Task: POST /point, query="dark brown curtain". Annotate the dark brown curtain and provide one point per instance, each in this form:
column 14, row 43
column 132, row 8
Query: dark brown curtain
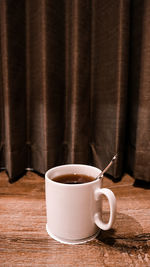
column 75, row 85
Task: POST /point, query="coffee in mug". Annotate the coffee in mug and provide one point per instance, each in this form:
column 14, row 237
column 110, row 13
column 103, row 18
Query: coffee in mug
column 73, row 178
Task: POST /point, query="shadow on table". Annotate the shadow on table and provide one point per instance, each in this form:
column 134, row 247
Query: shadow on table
column 126, row 236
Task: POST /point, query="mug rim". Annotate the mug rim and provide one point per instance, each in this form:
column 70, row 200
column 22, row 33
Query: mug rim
column 72, row 165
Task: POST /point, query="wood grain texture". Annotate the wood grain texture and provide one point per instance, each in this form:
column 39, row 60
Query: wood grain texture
column 25, row 242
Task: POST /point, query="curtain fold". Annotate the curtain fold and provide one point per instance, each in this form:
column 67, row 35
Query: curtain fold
column 139, row 91
column 45, row 55
column 74, row 85
column 13, row 91
column 110, row 47
column 77, row 81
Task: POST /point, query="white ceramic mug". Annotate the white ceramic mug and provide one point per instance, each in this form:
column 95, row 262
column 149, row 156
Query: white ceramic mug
column 74, row 210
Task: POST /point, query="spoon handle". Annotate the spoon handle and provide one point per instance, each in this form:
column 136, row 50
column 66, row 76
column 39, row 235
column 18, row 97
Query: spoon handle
column 107, row 167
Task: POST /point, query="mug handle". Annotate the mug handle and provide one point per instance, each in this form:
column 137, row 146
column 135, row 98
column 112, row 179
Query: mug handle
column 112, row 204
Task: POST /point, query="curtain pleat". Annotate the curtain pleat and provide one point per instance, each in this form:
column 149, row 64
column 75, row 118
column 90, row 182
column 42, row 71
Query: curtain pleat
column 2, row 163
column 139, row 92
column 14, row 84
column 77, row 81
column 45, row 55
column 74, row 85
column 110, row 39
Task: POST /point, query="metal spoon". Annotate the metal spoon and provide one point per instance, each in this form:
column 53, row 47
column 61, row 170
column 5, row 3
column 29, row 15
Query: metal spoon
column 107, row 167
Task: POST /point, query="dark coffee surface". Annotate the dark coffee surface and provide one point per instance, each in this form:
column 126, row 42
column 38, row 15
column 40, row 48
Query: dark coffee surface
column 73, row 179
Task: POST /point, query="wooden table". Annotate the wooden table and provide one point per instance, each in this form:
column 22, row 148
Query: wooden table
column 25, row 242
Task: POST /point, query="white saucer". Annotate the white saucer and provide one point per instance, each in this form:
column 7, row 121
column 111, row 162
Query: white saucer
column 72, row 242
